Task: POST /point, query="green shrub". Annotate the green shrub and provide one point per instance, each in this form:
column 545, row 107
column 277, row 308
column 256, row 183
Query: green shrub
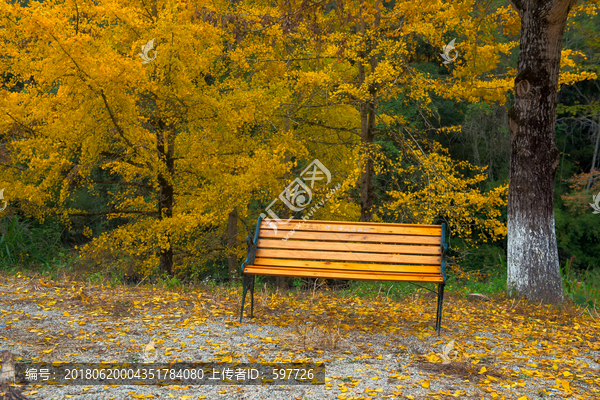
column 28, row 244
column 582, row 287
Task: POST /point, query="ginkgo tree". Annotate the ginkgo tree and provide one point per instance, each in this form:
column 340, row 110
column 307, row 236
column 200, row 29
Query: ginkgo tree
column 351, row 57
column 182, row 137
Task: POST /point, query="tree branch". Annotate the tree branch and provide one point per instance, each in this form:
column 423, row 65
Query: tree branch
column 123, row 183
column 113, row 212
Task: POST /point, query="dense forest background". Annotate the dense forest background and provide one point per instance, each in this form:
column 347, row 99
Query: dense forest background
column 114, row 168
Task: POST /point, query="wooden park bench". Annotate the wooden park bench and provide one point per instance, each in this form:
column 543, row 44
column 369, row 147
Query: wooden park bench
column 347, row 250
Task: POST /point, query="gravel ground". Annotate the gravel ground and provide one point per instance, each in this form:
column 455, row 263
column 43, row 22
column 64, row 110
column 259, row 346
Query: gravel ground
column 43, row 323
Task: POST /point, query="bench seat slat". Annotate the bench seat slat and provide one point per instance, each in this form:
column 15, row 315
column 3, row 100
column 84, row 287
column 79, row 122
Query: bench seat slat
column 343, row 256
column 318, row 221
column 350, row 237
column 423, row 269
column 324, row 226
column 330, row 274
column 345, row 246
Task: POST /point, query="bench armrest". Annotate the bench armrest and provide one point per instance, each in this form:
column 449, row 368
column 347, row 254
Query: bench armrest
column 444, row 249
column 251, row 253
column 251, row 246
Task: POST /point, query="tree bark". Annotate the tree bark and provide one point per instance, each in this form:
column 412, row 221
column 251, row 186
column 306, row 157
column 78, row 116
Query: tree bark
column 280, row 281
column 367, row 128
column 533, row 265
column 367, row 186
column 232, row 242
column 165, row 146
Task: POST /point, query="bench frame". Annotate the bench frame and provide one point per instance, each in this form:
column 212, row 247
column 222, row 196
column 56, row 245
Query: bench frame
column 248, row 280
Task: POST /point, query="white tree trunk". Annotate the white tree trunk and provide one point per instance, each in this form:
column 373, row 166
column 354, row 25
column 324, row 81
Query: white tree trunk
column 533, row 269
column 533, row 265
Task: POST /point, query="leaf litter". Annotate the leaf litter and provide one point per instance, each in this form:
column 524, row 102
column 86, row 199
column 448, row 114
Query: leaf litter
column 375, row 348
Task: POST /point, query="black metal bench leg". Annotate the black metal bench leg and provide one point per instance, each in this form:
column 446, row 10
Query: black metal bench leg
column 243, row 298
column 438, row 319
column 248, row 285
column 252, row 298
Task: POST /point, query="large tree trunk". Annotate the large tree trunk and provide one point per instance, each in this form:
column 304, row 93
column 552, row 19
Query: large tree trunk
column 165, row 146
column 367, row 186
column 280, row 281
column 367, row 130
column 533, row 266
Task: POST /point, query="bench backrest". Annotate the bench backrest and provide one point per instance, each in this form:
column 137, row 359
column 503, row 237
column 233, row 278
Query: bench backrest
column 355, row 250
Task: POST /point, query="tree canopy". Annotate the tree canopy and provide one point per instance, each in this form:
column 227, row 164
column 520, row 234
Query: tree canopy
column 147, row 160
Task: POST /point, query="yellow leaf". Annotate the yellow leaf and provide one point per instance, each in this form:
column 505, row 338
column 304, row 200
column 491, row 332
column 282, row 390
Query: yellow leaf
column 150, row 346
column 522, row 398
column 432, row 358
column 425, row 384
column 483, row 370
column 66, row 314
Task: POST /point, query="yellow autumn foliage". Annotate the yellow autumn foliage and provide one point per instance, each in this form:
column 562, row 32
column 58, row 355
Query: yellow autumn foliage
column 235, row 101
